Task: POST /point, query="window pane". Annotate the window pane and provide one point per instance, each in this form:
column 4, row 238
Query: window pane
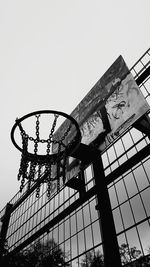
column 79, row 220
column 137, row 207
column 88, row 236
column 81, row 242
column 133, row 239
column 141, row 178
column 73, row 224
column 130, row 184
column 122, row 195
column 144, row 232
column 113, row 197
column 146, row 200
column 96, row 233
column 86, row 215
column 127, row 215
column 74, row 246
column 117, row 220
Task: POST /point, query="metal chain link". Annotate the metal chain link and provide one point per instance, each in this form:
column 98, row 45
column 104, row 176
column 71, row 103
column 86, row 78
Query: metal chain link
column 38, row 191
column 40, row 170
column 48, row 188
column 29, row 184
column 49, row 141
column 22, row 131
column 20, row 169
column 53, row 126
column 22, row 184
column 39, row 175
column 64, row 167
column 48, row 169
column 24, row 162
column 23, row 172
column 32, row 170
column 37, row 127
column 36, row 141
column 58, row 167
column 66, row 133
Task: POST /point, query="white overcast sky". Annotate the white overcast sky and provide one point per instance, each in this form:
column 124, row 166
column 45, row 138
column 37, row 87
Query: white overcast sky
column 51, row 54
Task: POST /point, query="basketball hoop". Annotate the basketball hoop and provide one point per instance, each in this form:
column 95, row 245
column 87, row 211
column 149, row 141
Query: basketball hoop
column 45, row 149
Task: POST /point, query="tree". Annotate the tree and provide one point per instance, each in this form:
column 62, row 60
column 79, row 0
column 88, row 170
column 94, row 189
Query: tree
column 98, row 260
column 128, row 254
column 92, row 259
column 129, row 257
column 47, row 254
column 50, row 254
column 132, row 257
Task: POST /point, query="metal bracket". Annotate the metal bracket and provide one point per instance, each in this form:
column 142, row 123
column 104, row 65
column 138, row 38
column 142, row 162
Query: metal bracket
column 78, row 183
column 143, row 125
column 75, row 183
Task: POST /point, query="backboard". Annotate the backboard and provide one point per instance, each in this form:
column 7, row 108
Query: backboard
column 113, row 104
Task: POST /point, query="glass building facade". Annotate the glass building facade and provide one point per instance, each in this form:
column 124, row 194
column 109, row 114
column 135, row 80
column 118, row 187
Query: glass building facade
column 73, row 222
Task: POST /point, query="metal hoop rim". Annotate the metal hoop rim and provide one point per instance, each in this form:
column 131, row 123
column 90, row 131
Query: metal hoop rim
column 69, row 151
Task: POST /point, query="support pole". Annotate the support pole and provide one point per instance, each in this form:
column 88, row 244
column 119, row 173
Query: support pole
column 4, row 229
column 109, row 238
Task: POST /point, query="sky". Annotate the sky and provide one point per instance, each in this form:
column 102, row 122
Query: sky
column 51, row 55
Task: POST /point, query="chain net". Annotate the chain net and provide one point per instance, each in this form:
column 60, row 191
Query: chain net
column 33, row 166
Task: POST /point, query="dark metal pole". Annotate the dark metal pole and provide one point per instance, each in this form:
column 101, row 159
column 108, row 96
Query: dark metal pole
column 109, row 238
column 4, row 229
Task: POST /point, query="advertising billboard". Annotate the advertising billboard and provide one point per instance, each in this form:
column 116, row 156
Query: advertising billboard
column 113, row 104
